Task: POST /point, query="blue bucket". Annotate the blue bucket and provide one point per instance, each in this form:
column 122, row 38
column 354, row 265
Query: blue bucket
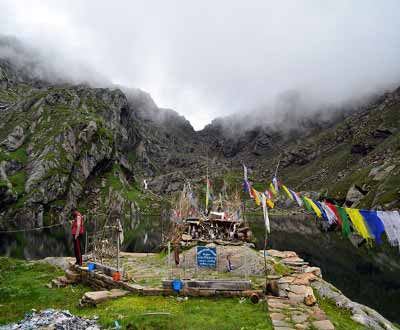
column 177, row 285
column 91, row 266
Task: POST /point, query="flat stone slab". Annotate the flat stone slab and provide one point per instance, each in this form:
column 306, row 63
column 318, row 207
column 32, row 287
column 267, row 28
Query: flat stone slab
column 280, row 254
column 299, row 318
column 277, row 316
column 97, row 297
column 304, row 279
column 286, row 279
column 278, row 323
column 293, row 260
column 323, row 325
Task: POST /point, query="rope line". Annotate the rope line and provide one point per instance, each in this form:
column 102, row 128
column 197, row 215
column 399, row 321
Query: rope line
column 30, row 229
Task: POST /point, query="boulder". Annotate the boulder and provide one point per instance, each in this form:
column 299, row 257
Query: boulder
column 315, row 270
column 15, row 139
column 353, row 196
column 323, row 325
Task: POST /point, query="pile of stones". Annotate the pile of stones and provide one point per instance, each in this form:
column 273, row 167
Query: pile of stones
column 52, row 319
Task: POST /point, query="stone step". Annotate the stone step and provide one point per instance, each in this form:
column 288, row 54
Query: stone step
column 72, row 275
column 57, row 284
column 97, row 297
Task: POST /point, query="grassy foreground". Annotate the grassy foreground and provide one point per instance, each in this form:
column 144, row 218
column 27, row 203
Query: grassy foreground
column 22, row 287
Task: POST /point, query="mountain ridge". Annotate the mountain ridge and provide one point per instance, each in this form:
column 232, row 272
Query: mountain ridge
column 63, row 144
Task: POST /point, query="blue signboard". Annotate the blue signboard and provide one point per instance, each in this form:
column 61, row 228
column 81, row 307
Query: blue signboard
column 206, row 256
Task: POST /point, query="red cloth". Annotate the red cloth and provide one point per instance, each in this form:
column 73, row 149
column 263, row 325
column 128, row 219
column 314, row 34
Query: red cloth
column 334, row 209
column 78, row 217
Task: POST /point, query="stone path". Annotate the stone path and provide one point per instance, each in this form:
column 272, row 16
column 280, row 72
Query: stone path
column 296, row 307
column 287, row 314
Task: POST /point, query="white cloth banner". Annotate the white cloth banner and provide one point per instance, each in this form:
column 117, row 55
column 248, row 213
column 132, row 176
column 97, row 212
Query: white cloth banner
column 391, row 222
column 245, row 173
column 265, row 210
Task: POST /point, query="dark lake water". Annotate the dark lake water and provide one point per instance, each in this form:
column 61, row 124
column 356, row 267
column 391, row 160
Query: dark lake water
column 370, row 276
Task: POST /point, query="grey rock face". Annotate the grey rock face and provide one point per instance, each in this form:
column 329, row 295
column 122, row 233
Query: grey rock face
column 15, row 139
column 368, row 317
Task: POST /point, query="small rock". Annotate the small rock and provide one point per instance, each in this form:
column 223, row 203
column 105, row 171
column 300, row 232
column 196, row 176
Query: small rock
column 310, row 300
column 299, row 318
column 323, row 325
column 304, row 278
column 277, row 323
column 277, row 316
column 315, row 270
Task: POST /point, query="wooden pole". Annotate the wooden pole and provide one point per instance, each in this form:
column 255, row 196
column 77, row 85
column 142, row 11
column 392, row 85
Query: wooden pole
column 277, row 166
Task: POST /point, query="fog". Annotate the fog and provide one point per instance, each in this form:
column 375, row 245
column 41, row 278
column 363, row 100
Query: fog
column 207, row 59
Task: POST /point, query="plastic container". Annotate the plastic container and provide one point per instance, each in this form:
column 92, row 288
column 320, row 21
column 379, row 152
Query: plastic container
column 91, row 266
column 177, row 285
column 117, row 276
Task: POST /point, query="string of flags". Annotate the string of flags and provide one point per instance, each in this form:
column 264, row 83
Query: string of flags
column 369, row 224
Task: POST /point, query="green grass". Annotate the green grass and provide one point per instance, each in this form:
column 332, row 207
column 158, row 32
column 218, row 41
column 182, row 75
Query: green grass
column 281, row 269
column 340, row 317
column 18, row 182
column 22, row 288
column 20, row 155
column 194, row 314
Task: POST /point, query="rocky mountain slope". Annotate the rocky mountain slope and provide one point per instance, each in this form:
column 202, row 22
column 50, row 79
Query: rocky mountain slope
column 353, row 158
column 63, row 145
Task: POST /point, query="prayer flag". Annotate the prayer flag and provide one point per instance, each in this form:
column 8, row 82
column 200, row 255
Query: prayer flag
column 287, row 192
column 272, row 189
column 306, row 204
column 314, row 207
column 323, row 214
column 265, row 211
column 275, row 183
column 331, row 216
column 358, row 223
column 268, row 194
column 335, row 211
column 345, row 221
column 391, row 223
column 296, row 197
column 374, row 223
column 256, row 196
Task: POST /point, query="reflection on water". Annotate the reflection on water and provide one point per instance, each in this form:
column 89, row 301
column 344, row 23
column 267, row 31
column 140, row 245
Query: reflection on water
column 368, row 276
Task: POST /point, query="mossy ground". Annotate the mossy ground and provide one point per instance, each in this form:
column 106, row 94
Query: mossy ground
column 22, row 287
column 341, row 318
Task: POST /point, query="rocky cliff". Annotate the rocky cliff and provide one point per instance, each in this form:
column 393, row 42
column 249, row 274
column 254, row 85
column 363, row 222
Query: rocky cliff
column 63, row 144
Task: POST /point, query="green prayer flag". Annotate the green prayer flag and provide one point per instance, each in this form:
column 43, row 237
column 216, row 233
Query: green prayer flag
column 306, row 204
column 345, row 221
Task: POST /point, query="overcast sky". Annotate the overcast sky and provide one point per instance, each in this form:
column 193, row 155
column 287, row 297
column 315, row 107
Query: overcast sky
column 207, row 59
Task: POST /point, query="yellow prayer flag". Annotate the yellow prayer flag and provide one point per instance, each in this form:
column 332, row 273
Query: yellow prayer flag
column 314, row 207
column 358, row 222
column 287, row 192
column 272, row 188
column 256, row 197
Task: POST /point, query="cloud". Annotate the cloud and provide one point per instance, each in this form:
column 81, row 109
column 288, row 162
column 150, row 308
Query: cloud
column 207, row 59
